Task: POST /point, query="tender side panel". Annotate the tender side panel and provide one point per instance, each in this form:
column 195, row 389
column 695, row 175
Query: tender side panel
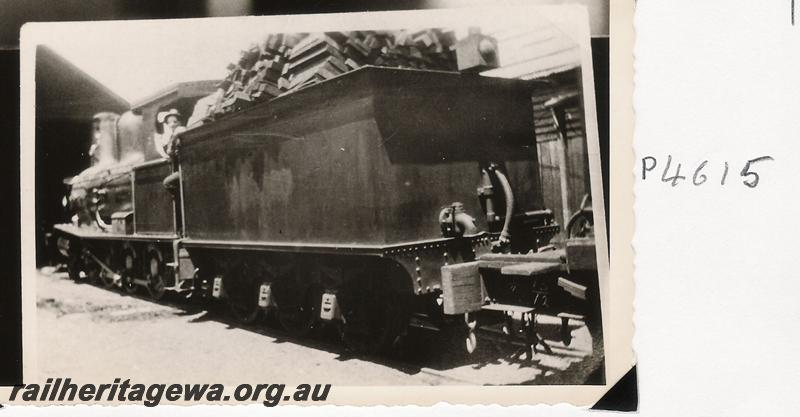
column 416, row 193
column 433, row 118
column 153, row 203
column 308, row 179
column 370, row 159
column 437, row 139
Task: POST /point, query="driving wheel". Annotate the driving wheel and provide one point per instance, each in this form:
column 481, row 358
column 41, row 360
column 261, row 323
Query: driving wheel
column 155, row 276
column 128, row 270
column 106, row 278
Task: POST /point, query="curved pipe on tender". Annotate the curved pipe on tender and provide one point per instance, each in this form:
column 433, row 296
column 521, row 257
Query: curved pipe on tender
column 505, row 236
column 463, row 223
column 100, row 223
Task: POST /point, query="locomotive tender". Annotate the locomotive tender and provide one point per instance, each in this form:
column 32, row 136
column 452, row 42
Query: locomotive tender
column 376, row 200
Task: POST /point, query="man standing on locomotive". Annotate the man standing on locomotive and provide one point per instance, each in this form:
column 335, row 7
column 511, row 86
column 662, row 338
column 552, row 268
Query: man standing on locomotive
column 171, row 126
column 165, row 144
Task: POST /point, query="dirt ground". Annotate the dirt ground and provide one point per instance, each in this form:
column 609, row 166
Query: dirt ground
column 92, row 334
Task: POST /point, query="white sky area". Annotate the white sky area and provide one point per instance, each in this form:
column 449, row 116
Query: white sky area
column 138, row 58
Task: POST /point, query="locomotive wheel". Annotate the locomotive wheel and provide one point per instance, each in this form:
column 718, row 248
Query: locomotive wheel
column 75, row 267
column 93, row 271
column 107, row 279
column 245, row 311
column 508, row 327
column 373, row 320
column 365, row 331
column 243, row 298
column 128, row 272
column 298, row 315
column 155, row 276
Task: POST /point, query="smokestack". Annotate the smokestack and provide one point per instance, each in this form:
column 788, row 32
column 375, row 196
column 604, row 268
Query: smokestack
column 103, row 150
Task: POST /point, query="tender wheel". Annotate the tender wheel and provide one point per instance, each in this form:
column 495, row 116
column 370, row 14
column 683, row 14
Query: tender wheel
column 128, row 269
column 243, row 294
column 374, row 317
column 298, row 315
column 155, row 276
column 246, row 311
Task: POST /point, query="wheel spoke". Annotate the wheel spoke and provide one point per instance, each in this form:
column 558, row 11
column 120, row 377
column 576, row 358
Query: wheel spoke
column 106, row 277
column 156, row 286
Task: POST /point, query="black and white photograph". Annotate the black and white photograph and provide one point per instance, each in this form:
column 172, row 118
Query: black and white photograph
column 387, row 199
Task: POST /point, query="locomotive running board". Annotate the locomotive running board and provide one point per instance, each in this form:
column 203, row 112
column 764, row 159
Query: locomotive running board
column 333, row 248
column 92, row 234
column 283, row 247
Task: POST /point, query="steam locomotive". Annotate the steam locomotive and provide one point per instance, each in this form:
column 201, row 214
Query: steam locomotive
column 377, row 200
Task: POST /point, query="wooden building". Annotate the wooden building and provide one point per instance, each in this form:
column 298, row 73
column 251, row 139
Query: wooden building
column 546, row 54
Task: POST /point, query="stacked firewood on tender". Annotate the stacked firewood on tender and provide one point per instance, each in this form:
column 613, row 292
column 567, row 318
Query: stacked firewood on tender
column 286, row 63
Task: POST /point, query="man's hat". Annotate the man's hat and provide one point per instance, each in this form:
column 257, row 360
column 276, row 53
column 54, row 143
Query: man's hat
column 162, row 116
